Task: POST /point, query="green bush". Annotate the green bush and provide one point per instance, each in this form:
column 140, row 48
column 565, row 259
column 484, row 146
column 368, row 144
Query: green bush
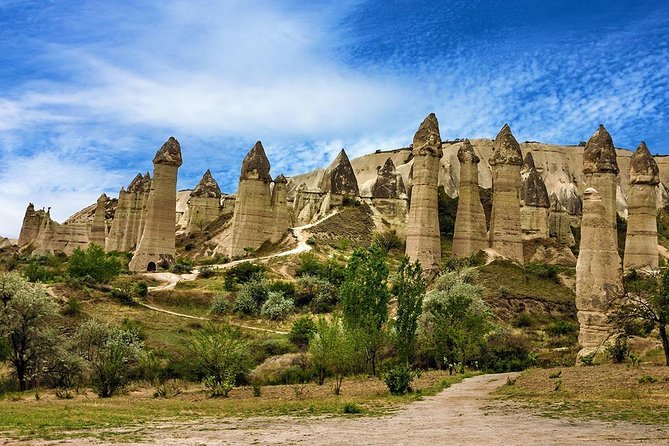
column 309, row 287
column 245, row 304
column 243, row 273
column 618, row 351
column 276, row 346
column 283, row 286
column 507, row 352
column 207, row 272
column 302, row 330
column 523, row 320
column 351, row 408
column 388, row 241
column 398, row 379
column 183, row 266
column 277, row 306
column 72, row 307
column 142, row 289
column 588, row 359
column 543, row 271
column 562, row 328
column 221, row 304
column 93, row 263
column 251, row 296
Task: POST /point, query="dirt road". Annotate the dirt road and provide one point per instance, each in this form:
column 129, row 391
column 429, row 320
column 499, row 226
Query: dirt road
column 464, row 414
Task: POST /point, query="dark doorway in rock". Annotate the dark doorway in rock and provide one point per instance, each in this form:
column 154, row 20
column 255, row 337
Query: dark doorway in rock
column 151, row 267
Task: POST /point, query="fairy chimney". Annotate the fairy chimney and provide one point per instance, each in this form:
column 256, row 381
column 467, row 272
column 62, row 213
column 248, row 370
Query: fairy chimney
column 469, row 235
column 99, row 226
column 505, row 227
column 157, row 245
column 534, row 200
column 280, row 212
column 641, row 250
column 423, row 242
column 252, row 220
column 204, row 204
column 599, row 285
column 389, row 183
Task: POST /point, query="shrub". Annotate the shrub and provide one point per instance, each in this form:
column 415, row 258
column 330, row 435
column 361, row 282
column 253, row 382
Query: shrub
column 647, row 379
column 276, row 347
column 303, row 329
column 588, row 359
column 183, row 266
column 351, row 408
column 543, row 271
column 142, row 289
column 523, row 320
column 94, row 263
column 398, row 379
column 562, row 328
column 72, row 307
column 507, row 352
column 287, row 288
column 277, row 306
column 207, row 271
column 221, row 304
column 388, row 241
column 251, row 296
column 618, row 351
column 309, row 287
column 243, row 273
column 168, row 389
column 245, row 304
column 333, row 350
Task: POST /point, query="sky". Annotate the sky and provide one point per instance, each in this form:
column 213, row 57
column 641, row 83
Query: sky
column 89, row 90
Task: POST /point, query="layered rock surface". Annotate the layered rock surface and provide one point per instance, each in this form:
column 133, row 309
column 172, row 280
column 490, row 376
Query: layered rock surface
column 641, row 250
column 469, row 235
column 99, row 226
column 534, row 200
column 204, row 204
column 423, row 240
column 599, row 286
column 157, row 244
column 505, row 222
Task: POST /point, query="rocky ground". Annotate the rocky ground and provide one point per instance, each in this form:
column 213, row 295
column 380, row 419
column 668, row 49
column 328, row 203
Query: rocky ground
column 463, row 414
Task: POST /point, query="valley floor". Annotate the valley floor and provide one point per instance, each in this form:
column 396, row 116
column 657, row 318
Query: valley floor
column 466, row 413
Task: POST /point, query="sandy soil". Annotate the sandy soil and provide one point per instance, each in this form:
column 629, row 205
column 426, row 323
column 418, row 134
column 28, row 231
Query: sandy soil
column 462, row 414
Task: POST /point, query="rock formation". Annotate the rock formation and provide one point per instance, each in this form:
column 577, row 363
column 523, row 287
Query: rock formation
column 600, row 167
column 252, row 222
column 505, row 228
column 281, row 220
column 306, row 204
column 423, row 239
column 128, row 223
column 389, row 183
column 32, row 222
column 599, row 286
column 157, row 245
column 339, row 178
column 559, row 223
column 469, row 235
column 204, row 204
column 99, row 226
column 641, row 250
column 534, row 201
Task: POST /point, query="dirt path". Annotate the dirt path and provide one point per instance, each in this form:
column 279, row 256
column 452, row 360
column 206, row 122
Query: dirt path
column 464, row 414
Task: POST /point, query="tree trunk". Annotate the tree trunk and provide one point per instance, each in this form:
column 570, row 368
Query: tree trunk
column 665, row 342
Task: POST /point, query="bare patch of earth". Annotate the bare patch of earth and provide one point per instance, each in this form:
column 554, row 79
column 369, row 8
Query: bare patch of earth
column 466, row 413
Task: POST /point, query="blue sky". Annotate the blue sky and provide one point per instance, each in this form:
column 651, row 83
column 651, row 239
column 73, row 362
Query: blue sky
column 91, row 89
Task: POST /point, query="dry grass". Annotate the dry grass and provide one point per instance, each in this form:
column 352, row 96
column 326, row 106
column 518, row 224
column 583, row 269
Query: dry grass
column 609, row 392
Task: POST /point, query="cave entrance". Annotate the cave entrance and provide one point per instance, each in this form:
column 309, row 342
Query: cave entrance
column 151, row 267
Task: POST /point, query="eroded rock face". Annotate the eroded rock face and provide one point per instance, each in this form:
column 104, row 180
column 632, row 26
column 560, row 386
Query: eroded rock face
column 389, row 183
column 32, row 221
column 505, row 223
column 641, row 250
column 560, row 223
column 99, row 226
column 599, row 286
column 339, row 178
column 128, row 223
column 204, row 204
column 534, row 200
column 280, row 213
column 469, row 235
column 157, row 244
column 601, row 172
column 423, row 241
column 253, row 220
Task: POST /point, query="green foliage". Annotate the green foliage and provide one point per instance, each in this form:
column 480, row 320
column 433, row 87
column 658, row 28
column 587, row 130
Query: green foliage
column 110, row 353
column 142, row 289
column 458, row 263
column 94, row 263
column 507, row 352
column 24, row 326
column 388, row 241
column 221, row 304
column 562, row 328
column 72, row 307
column 455, row 320
column 220, row 355
column 276, row 346
column 45, row 268
column 302, row 331
column 333, row 350
column 647, row 379
column 331, row 270
column 207, row 272
column 251, row 296
column 364, row 297
column 243, row 273
column 315, row 292
column 618, row 351
column 588, row 359
column 277, row 306
column 447, row 208
column 543, row 271
column 351, row 409
column 283, row 286
column 183, row 266
column 399, row 378
column 409, row 287
column 523, row 320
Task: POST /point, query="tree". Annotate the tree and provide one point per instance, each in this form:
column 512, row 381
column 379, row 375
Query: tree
column 454, row 321
column 646, row 308
column 24, row 325
column 409, row 286
column 333, row 350
column 364, row 296
column 220, row 354
column 93, row 263
column 110, row 354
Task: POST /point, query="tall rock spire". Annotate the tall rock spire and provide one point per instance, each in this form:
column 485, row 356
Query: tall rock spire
column 535, row 201
column 423, row 237
column 469, row 235
column 204, row 204
column 339, row 177
column 389, row 183
column 255, row 165
column 505, row 221
column 641, row 250
column 99, row 226
column 599, row 285
column 156, row 247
